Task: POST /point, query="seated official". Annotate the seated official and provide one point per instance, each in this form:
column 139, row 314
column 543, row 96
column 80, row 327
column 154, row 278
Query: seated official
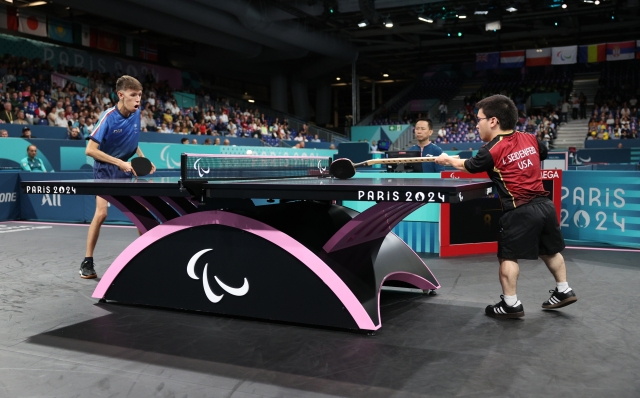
column 423, row 131
column 31, row 162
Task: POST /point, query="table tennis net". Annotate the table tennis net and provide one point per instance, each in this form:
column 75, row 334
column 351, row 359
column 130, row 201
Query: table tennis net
column 240, row 167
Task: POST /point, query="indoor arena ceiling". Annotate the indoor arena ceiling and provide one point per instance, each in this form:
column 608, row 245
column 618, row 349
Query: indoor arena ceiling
column 312, row 38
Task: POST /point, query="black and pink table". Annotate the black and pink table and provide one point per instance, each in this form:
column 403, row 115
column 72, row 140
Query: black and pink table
column 300, row 258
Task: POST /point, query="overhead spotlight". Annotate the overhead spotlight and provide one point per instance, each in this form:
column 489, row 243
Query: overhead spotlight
column 459, row 34
column 481, row 12
column 252, row 101
column 512, row 9
column 596, row 2
column 363, row 24
column 462, row 15
column 425, row 19
column 388, row 23
column 555, row 24
column 338, row 78
column 564, row 5
column 385, row 75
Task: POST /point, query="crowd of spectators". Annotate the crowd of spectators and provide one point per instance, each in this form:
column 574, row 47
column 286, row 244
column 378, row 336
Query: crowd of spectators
column 29, row 97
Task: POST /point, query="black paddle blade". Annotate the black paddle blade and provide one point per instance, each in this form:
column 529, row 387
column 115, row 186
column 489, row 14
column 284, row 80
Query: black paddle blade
column 142, row 166
column 342, row 169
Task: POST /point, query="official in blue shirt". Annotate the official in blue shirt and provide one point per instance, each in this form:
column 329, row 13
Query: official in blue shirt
column 31, row 162
column 113, row 141
column 423, row 130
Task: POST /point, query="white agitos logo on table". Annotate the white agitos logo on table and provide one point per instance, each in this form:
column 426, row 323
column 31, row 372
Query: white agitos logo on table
column 214, row 298
column 201, row 171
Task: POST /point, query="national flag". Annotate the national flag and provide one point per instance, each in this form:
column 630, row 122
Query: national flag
column 512, row 59
column 621, row 50
column 486, row 61
column 8, row 17
column 60, row 30
column 539, row 57
column 564, row 55
column 148, row 51
column 33, row 24
column 130, row 46
column 592, row 53
column 107, row 41
column 85, row 36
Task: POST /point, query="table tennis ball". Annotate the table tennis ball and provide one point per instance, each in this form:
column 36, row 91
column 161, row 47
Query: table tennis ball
column 249, row 152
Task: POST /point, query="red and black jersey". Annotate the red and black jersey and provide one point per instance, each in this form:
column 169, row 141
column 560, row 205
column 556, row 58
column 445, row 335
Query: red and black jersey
column 513, row 164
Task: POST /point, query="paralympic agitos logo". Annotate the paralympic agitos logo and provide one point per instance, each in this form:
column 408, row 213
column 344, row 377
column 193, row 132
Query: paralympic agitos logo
column 214, row 298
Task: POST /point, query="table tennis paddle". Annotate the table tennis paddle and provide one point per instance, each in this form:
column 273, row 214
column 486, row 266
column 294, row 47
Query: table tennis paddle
column 142, row 166
column 345, row 168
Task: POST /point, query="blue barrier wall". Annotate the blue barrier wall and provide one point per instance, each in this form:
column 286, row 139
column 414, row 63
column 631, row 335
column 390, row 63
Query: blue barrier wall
column 604, row 155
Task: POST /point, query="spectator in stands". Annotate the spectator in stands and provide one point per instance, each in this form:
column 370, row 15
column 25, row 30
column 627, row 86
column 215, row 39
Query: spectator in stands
column 26, row 133
column 31, row 162
column 148, row 121
column 167, row 117
column 443, row 112
column 20, row 118
column 374, row 144
column 422, row 131
column 216, row 141
column 207, row 141
column 7, row 115
column 184, row 141
column 471, row 135
column 106, row 101
column 194, row 141
column 582, row 99
column 4, row 134
column 564, row 111
column 226, row 142
column 74, row 134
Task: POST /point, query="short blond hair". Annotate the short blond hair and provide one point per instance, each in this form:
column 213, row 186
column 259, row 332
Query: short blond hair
column 126, row 82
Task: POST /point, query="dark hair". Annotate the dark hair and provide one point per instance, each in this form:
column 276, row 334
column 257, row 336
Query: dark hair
column 184, row 139
column 429, row 122
column 502, row 108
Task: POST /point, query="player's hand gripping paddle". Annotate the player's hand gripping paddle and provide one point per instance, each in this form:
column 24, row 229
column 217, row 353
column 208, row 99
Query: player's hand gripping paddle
column 142, row 166
column 345, row 168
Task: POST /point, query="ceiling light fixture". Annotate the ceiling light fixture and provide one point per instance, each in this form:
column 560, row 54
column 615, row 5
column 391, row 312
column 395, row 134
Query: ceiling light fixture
column 36, row 3
column 512, row 9
column 481, row 12
column 388, row 23
column 564, row 5
column 385, row 75
column 337, row 78
column 425, row 19
column 462, row 16
column 363, row 24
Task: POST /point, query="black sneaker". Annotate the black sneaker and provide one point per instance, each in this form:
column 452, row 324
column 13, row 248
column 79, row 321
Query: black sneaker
column 559, row 300
column 502, row 310
column 87, row 271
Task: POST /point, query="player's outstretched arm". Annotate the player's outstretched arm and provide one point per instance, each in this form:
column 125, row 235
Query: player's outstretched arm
column 446, row 160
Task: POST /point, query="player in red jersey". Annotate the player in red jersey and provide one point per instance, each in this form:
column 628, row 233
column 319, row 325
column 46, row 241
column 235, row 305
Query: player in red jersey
column 529, row 227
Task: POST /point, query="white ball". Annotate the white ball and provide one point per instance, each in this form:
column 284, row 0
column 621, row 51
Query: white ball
column 249, row 152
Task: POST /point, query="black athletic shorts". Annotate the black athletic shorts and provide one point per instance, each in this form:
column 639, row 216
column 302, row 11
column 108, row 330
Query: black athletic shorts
column 529, row 231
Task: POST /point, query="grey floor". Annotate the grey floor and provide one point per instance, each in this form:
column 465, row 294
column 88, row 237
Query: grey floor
column 56, row 341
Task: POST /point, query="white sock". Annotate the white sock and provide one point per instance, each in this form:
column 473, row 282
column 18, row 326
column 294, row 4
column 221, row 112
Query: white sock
column 511, row 300
column 563, row 287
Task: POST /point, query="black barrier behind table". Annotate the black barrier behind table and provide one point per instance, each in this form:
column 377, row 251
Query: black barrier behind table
column 302, row 259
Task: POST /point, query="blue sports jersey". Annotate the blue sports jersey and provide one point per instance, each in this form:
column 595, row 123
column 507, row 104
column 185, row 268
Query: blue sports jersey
column 116, row 135
column 429, row 150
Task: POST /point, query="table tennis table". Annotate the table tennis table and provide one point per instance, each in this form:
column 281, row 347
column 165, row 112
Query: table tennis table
column 298, row 256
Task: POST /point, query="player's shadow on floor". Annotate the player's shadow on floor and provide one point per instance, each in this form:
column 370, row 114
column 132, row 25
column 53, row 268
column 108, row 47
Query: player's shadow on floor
column 401, row 357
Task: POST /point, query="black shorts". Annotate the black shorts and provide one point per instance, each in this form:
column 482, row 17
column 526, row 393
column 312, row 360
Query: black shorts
column 530, row 231
column 108, row 171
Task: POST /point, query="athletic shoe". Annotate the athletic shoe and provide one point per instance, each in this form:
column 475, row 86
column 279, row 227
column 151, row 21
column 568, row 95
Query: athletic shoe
column 502, row 310
column 87, row 271
column 559, row 300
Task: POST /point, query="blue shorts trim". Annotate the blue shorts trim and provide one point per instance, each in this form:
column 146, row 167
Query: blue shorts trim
column 108, row 171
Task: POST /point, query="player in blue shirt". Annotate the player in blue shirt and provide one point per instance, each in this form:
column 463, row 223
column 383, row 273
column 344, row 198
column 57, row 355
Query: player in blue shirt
column 113, row 141
column 423, row 130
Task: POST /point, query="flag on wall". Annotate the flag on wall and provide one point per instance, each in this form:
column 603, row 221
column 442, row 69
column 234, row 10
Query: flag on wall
column 8, row 17
column 107, row 41
column 486, row 61
column 592, row 53
column 60, row 30
column 621, row 50
column 85, row 36
column 564, row 55
column 33, row 24
column 148, row 51
column 512, row 59
column 538, row 57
